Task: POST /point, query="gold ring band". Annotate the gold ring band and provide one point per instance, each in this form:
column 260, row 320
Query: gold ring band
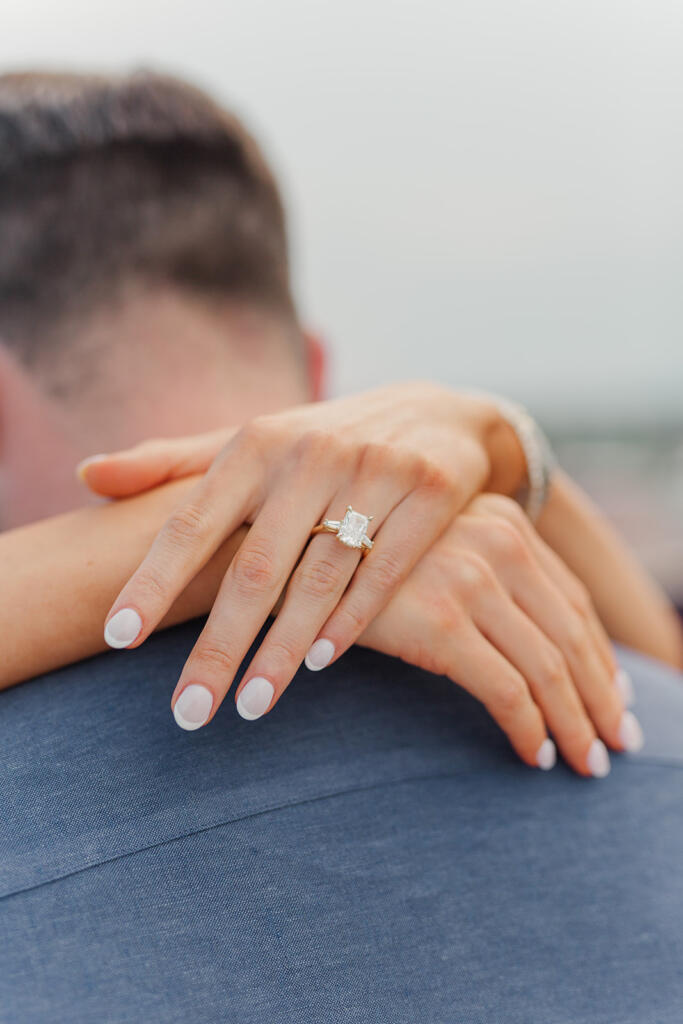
column 351, row 531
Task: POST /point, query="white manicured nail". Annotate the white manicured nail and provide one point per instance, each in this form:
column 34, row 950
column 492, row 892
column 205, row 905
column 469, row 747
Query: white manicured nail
column 630, row 733
column 254, row 698
column 123, row 628
column 547, row 755
column 85, row 463
column 193, row 707
column 598, row 760
column 624, row 685
column 320, row 654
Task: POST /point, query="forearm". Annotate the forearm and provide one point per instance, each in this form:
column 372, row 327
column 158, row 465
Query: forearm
column 61, row 575
column 633, row 608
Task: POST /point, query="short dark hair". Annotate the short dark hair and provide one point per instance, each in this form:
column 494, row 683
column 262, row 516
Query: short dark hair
column 111, row 180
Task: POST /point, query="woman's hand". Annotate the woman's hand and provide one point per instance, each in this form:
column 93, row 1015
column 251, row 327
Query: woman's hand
column 283, row 474
column 411, row 456
column 494, row 609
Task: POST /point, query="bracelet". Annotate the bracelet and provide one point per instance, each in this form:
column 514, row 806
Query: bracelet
column 538, row 455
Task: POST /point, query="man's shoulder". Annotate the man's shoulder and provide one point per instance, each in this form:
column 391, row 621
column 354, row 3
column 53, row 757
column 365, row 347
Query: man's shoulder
column 94, row 765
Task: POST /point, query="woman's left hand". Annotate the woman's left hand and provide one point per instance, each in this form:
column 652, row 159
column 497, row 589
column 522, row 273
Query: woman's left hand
column 525, row 632
column 412, row 456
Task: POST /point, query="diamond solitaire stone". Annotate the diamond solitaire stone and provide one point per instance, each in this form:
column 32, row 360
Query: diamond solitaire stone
column 352, row 529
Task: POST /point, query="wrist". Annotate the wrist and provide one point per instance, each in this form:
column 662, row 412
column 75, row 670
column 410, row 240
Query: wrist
column 506, row 458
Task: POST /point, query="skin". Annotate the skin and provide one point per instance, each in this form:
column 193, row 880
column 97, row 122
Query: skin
column 440, row 619
column 181, row 402
column 314, row 456
column 161, row 362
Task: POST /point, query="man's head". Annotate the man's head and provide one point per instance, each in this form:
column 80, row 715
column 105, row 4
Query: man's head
column 144, row 282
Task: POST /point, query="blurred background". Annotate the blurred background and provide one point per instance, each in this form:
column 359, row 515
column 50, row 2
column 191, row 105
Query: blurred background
column 480, row 192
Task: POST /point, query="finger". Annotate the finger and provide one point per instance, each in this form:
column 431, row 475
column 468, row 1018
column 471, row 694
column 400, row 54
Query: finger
column 256, row 577
column 504, row 547
column 569, row 631
column 211, row 511
column 474, row 663
column 147, row 465
column 411, row 530
column 538, row 661
column 315, row 589
column 557, row 571
column 578, row 597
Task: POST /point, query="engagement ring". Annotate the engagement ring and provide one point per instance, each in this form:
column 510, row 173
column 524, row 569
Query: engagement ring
column 351, row 530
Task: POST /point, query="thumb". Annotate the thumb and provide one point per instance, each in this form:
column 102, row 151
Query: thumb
column 147, row 465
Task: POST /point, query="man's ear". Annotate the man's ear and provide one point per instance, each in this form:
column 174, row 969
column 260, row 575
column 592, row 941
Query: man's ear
column 316, row 364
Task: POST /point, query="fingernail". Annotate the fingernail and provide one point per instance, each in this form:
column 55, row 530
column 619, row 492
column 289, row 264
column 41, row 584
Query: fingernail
column 624, row 685
column 254, row 698
column 85, row 463
column 320, row 654
column 630, row 733
column 193, row 707
column 598, row 760
column 547, row 755
column 123, row 628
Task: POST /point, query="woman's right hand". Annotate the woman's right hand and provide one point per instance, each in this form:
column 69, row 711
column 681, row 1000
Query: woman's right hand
column 494, row 609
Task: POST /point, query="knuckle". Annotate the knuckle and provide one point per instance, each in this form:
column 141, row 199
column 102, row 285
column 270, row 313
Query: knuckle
column 255, row 434
column 446, row 618
column 510, row 697
column 385, row 574
column 553, row 668
column 284, row 652
column 314, row 444
column 215, row 658
column 472, row 575
column 505, row 542
column 252, row 569
column 151, row 584
column 350, row 620
column 318, row 577
column 187, row 523
column 374, row 457
column 437, row 479
column 576, row 639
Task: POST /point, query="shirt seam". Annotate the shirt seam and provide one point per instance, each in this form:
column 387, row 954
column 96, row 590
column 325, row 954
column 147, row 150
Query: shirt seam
column 287, row 805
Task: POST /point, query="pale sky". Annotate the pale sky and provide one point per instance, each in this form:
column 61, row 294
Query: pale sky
column 484, row 192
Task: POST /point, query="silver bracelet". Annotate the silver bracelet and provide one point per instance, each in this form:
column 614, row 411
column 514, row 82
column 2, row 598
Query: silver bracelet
column 538, row 455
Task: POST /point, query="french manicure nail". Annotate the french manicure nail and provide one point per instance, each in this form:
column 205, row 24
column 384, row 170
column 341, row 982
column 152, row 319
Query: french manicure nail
column 123, row 628
column 630, row 733
column 320, row 654
column 624, row 685
column 193, row 707
column 597, row 761
column 254, row 698
column 85, row 463
column 547, row 755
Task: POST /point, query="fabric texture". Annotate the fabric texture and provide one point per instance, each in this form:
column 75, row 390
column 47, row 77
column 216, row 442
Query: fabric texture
column 371, row 851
